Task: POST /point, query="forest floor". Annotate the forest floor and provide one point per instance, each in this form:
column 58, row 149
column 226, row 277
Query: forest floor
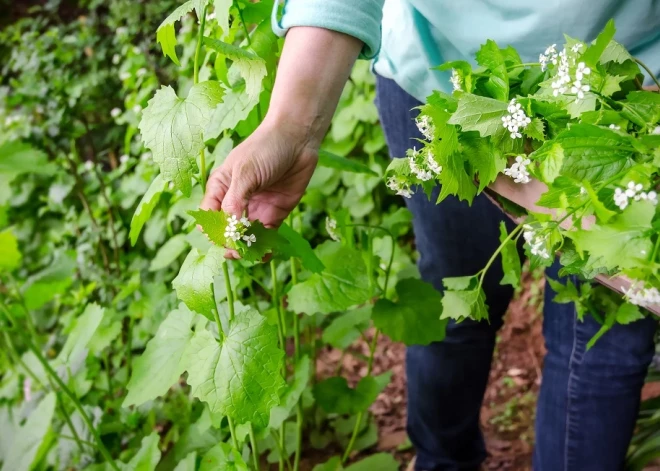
column 507, row 413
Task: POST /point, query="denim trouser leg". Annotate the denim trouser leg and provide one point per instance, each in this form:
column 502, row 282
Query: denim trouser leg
column 447, row 380
column 588, row 401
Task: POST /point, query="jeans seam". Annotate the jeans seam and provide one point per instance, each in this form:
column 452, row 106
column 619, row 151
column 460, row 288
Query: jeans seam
column 569, row 387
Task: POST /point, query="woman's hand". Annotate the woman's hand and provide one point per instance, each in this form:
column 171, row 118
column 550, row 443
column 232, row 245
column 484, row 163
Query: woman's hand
column 266, row 175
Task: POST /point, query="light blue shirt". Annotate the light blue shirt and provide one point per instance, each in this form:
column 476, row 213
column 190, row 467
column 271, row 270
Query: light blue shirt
column 407, row 38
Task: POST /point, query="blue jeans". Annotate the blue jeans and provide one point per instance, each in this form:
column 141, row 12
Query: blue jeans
column 588, row 401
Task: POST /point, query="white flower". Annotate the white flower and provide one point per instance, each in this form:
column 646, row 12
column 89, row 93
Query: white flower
column 633, row 191
column 581, row 71
column 124, row 158
column 122, row 30
column 245, row 221
column 27, row 389
column 124, row 75
column 88, row 165
column 425, row 126
column 536, row 242
column 577, row 47
column 141, row 71
column 516, row 119
column 656, row 130
column 579, row 89
column 137, row 109
column 423, row 175
column 250, row 239
column 431, row 163
column 145, row 156
column 639, row 295
column 518, row 170
column 615, row 127
column 115, row 59
column 456, row 80
column 401, row 188
column 331, row 228
column 210, row 16
column 115, row 112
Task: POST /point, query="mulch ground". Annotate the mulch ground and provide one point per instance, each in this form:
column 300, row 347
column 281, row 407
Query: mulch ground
column 507, row 414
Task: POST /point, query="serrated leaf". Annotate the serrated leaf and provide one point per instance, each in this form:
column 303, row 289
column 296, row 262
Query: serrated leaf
column 485, row 158
column 250, row 66
column 463, row 299
column 347, row 327
column 163, row 361
column 490, row 56
column 594, row 52
column 146, row 206
column 330, row 160
column 477, row 113
column 334, row 395
column 172, row 128
column 194, row 283
column 591, row 153
column 83, row 330
column 615, row 52
column 221, row 9
column 535, row 130
column 455, row 180
column 622, row 243
column 241, row 376
column 292, row 394
column 415, row 318
column 10, row 255
column 44, row 285
column 299, row 247
column 628, row 313
column 222, row 457
column 510, row 260
column 642, row 108
column 603, row 214
column 27, row 441
column 343, row 283
column 235, row 107
column 551, row 163
column 169, row 252
column 165, row 35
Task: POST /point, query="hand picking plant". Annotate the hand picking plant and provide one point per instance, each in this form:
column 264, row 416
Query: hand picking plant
column 230, row 340
column 579, row 121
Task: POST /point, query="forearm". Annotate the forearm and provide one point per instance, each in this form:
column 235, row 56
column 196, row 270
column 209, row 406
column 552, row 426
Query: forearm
column 312, row 72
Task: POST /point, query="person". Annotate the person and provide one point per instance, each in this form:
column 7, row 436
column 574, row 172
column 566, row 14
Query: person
column 588, row 400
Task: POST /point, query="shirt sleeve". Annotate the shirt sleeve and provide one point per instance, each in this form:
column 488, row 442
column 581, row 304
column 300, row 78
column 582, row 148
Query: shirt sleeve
column 358, row 18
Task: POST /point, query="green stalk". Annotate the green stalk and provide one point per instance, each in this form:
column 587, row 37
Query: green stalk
column 230, row 292
column 198, row 49
column 255, row 450
column 232, row 431
column 240, row 15
column 511, row 235
column 280, row 333
column 68, row 421
column 651, row 74
column 296, row 341
column 53, row 376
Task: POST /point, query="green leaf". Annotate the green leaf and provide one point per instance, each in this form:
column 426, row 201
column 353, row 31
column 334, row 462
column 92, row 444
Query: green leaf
column 564, row 294
column 603, row 214
column 169, row 252
column 172, row 128
column 415, row 318
column 165, row 35
column 591, row 152
column 477, row 113
column 628, row 313
column 43, row 286
column 333, row 464
column 497, row 84
column 235, row 107
column 535, row 130
column 330, row 160
column 146, row 207
column 163, row 361
column 551, row 163
column 455, row 180
column 615, row 52
column 299, row 247
column 379, row 461
column 189, row 463
column 292, row 394
column 147, row 456
column 594, row 52
column 464, row 298
column 642, row 108
column 241, row 376
column 10, row 255
column 510, row 260
column 30, row 436
column 334, row 395
column 17, row 158
column 221, row 9
column 343, row 283
column 194, row 283
column 486, row 159
column 83, row 330
column 623, row 243
column 223, row 457
column 250, row 66
column 347, row 327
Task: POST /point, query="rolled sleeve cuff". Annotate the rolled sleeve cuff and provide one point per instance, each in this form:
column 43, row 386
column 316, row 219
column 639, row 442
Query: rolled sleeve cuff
column 358, row 18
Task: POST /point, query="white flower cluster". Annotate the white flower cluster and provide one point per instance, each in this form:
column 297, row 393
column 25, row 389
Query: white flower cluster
column 400, row 187
column 236, row 228
column 518, row 170
column 427, row 169
column 536, row 242
column 615, row 127
column 331, row 227
column 425, row 126
column 516, row 119
column 456, row 80
column 633, row 191
column 641, row 296
column 563, row 78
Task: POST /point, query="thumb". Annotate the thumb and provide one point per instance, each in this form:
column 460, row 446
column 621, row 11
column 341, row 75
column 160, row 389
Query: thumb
column 236, row 199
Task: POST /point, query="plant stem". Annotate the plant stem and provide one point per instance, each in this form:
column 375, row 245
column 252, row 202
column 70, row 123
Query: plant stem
column 68, row 421
column 230, row 293
column 280, row 333
column 511, row 235
column 255, row 450
column 296, row 343
column 198, row 48
column 247, row 33
column 202, row 168
column 232, row 431
column 648, row 71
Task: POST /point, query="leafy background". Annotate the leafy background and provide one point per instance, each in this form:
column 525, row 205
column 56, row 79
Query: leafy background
column 76, row 77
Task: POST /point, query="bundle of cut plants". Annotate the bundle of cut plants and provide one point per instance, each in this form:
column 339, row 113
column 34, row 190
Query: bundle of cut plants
column 570, row 148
